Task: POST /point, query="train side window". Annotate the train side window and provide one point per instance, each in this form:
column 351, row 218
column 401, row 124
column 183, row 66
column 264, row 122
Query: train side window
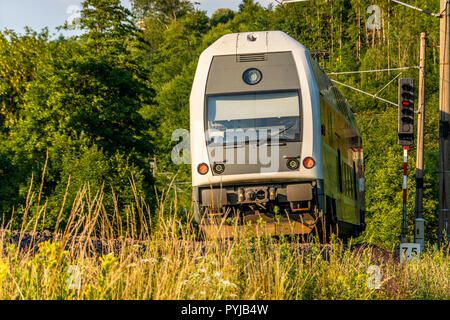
column 348, row 180
column 347, row 184
column 355, row 194
column 339, row 165
column 344, row 177
column 350, row 183
column 330, row 127
column 350, row 177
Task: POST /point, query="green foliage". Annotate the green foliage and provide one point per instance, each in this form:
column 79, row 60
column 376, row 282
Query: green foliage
column 82, row 106
column 222, row 16
column 167, row 10
column 20, row 57
column 91, row 170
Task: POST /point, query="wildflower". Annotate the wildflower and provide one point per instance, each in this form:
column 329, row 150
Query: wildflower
column 3, row 270
column 107, row 262
column 361, row 277
column 218, row 274
column 227, row 284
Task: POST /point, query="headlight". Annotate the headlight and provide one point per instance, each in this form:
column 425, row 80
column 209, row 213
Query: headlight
column 219, row 168
column 252, row 76
column 293, row 164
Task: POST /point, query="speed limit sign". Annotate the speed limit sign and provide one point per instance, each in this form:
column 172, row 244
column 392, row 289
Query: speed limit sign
column 409, row 251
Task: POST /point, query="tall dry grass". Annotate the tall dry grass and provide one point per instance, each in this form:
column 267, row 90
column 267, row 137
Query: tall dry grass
column 157, row 255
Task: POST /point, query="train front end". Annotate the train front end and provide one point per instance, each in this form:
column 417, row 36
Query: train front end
column 256, row 137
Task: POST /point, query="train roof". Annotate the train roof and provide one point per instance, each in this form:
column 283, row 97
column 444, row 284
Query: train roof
column 251, row 42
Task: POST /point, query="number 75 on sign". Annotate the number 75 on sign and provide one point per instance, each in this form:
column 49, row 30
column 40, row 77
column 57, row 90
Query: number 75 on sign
column 409, row 251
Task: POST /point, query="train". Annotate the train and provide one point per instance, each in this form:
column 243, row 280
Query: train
column 275, row 147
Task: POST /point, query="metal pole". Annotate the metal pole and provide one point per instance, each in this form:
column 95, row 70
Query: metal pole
column 444, row 119
column 419, row 222
column 405, row 178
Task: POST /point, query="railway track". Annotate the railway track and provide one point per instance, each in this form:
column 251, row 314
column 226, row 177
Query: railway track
column 28, row 243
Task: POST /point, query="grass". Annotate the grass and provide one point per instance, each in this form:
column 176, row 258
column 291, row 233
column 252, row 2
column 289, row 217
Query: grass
column 157, row 255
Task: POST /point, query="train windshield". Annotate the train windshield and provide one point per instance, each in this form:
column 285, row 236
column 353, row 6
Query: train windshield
column 253, row 117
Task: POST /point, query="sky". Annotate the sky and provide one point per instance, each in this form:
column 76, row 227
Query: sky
column 37, row 14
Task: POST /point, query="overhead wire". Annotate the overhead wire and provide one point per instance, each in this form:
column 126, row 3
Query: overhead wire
column 364, row 92
column 379, row 70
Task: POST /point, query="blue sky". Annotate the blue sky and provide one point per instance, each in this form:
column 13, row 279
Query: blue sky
column 37, row 14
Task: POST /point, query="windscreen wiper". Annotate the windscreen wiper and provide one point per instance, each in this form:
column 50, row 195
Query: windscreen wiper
column 283, row 141
column 280, row 142
column 280, row 132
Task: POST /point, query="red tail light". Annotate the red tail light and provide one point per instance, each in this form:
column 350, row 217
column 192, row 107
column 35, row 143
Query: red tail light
column 203, row 168
column 309, row 163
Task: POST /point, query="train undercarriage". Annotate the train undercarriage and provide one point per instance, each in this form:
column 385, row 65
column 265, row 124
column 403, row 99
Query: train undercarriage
column 260, row 209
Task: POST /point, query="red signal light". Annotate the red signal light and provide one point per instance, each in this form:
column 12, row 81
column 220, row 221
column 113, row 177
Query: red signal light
column 406, row 103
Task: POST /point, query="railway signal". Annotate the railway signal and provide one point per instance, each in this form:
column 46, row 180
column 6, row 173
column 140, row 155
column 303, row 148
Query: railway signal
column 405, row 132
column 405, row 111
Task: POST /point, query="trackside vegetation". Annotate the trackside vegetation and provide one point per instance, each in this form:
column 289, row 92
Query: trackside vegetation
column 167, row 261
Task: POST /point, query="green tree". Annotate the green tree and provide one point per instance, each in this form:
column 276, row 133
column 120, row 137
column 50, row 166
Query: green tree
column 20, row 57
column 83, row 107
column 222, row 16
column 168, row 10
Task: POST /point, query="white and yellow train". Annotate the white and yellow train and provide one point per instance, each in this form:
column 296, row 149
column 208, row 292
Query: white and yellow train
column 274, row 145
